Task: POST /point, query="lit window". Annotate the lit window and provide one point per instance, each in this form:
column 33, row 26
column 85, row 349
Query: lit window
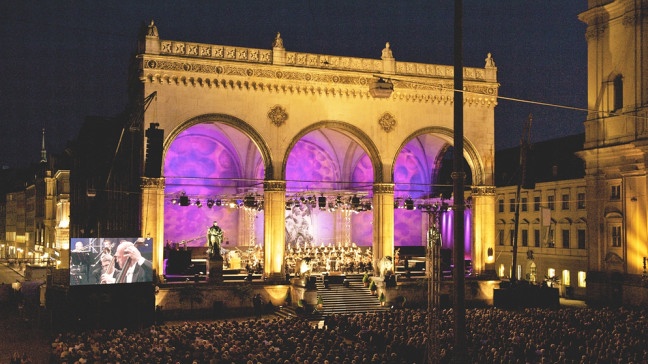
column 565, row 278
column 501, row 270
column 551, row 272
column 581, row 279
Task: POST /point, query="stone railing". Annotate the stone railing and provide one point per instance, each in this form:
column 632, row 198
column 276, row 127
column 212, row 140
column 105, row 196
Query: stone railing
column 310, row 60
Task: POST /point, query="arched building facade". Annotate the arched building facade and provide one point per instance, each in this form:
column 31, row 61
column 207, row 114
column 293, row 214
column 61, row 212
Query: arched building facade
column 286, row 149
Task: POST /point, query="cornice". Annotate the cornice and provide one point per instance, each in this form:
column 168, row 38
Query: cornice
column 287, row 80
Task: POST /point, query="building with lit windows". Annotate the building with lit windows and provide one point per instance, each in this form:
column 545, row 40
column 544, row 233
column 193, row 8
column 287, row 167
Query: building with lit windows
column 551, row 216
column 615, row 150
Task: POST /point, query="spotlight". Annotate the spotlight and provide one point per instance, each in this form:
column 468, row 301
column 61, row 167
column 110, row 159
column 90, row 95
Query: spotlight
column 210, row 203
column 396, row 204
column 248, row 201
column 184, row 200
column 355, row 202
column 409, row 204
column 174, row 201
column 219, row 202
column 198, row 203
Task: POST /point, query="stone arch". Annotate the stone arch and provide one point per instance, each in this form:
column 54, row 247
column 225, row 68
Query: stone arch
column 234, row 122
column 470, row 152
column 351, row 131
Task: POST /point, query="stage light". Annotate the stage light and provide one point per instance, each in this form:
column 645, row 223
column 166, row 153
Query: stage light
column 321, row 202
column 355, row 202
column 396, row 204
column 174, row 201
column 210, row 203
column 184, row 200
column 219, row 202
column 409, row 204
column 198, row 203
column 248, row 201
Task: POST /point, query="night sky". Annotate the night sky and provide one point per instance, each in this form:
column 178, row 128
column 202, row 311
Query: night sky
column 64, row 60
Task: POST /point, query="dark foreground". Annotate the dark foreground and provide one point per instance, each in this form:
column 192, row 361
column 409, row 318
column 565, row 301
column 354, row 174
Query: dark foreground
column 565, row 335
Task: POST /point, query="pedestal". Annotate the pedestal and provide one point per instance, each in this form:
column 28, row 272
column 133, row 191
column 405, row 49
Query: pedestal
column 215, row 270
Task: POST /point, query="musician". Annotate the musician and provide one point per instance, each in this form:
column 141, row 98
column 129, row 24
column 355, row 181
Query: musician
column 80, row 262
column 106, row 261
column 133, row 267
column 79, row 248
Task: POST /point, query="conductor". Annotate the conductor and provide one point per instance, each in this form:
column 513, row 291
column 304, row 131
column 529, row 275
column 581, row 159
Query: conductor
column 214, row 239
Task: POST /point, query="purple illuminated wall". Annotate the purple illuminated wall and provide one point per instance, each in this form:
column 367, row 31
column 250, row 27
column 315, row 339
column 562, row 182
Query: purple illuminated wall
column 209, row 161
column 203, row 162
column 314, row 166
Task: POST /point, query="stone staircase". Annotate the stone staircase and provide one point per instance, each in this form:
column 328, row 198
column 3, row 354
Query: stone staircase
column 339, row 299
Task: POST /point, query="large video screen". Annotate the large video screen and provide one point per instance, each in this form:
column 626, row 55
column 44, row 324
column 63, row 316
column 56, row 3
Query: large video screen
column 110, row 260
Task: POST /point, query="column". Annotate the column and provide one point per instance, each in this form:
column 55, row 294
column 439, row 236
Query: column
column 153, row 218
column 274, row 230
column 483, row 206
column 383, row 222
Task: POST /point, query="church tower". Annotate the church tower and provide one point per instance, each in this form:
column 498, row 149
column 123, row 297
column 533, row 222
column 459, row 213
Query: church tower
column 616, row 149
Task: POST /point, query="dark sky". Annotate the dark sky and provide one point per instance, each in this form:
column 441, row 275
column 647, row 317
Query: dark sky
column 64, row 60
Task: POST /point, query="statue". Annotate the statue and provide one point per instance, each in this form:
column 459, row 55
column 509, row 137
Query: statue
column 490, row 62
column 152, row 30
column 387, row 52
column 278, row 42
column 214, row 239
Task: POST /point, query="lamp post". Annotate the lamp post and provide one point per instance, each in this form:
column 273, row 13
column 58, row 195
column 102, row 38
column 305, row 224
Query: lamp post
column 458, row 176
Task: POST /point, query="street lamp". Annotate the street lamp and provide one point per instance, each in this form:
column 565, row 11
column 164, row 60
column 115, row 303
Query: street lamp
column 381, row 88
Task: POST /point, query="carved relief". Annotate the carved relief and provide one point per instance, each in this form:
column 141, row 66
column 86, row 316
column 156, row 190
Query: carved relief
column 153, row 182
column 387, row 122
column 383, row 188
column 277, row 115
column 274, row 186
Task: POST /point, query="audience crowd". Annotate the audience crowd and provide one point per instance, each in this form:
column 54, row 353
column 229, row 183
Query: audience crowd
column 566, row 335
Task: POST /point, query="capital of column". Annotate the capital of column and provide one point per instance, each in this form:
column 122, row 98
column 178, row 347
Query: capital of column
column 483, row 190
column 274, row 186
column 383, row 188
column 149, row 182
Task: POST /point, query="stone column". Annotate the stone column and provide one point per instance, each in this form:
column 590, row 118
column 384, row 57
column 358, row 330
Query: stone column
column 483, row 206
column 383, row 222
column 153, row 218
column 274, row 205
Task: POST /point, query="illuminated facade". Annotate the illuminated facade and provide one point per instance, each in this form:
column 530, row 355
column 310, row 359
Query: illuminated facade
column 253, row 133
column 615, row 149
column 551, row 234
